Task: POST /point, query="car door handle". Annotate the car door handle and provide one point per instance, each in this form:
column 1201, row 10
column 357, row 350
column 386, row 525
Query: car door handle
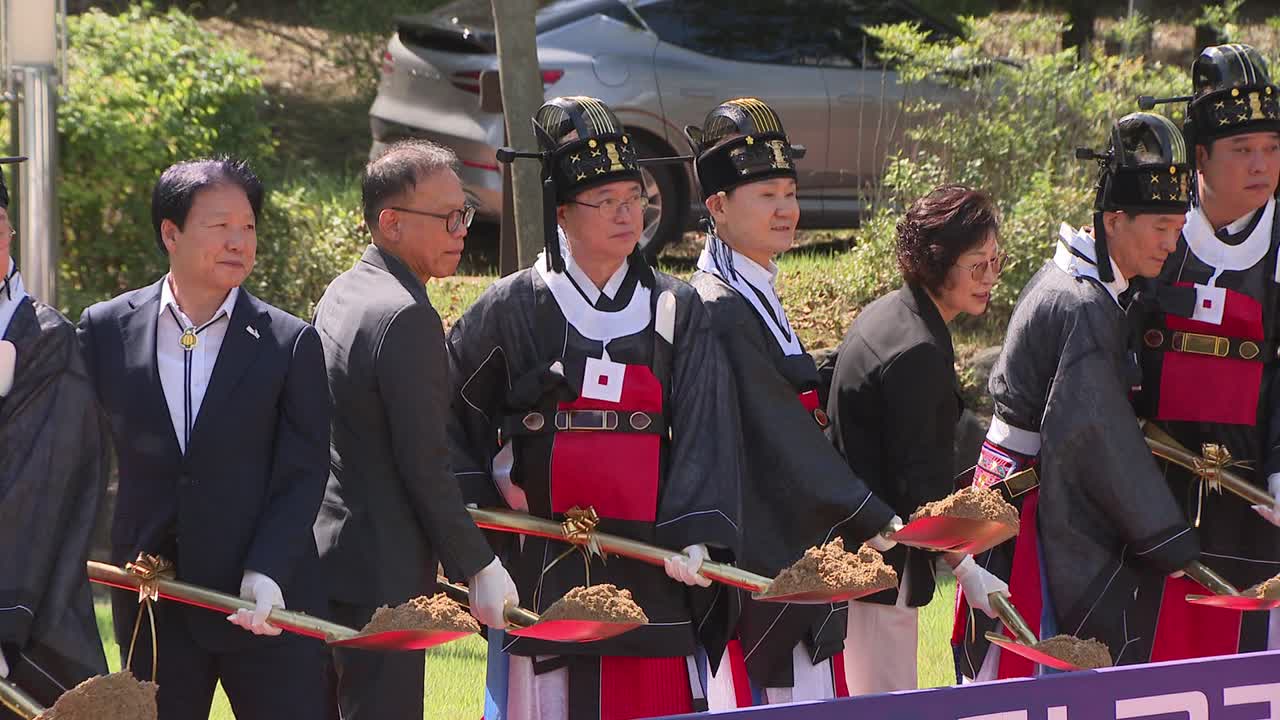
column 697, row 92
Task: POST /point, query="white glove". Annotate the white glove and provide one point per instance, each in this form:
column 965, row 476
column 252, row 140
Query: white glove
column 265, row 594
column 977, row 584
column 1270, row 514
column 4, row 666
column 8, row 362
column 880, row 541
column 684, row 568
column 489, row 592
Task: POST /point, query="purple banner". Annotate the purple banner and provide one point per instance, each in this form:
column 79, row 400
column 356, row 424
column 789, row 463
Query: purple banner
column 1238, row 687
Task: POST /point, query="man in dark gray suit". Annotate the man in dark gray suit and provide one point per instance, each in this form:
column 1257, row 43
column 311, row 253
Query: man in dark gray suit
column 392, row 507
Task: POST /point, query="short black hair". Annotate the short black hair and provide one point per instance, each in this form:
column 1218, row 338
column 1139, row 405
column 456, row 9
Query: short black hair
column 940, row 227
column 175, row 191
column 397, row 169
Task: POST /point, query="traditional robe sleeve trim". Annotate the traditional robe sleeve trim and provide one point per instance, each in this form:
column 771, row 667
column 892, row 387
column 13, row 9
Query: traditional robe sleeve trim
column 698, row 512
column 15, row 623
column 1013, row 438
column 747, row 655
column 698, row 527
column 1170, row 550
column 463, row 392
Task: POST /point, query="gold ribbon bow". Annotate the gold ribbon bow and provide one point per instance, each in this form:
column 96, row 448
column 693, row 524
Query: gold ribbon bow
column 1209, row 468
column 579, row 527
column 149, row 570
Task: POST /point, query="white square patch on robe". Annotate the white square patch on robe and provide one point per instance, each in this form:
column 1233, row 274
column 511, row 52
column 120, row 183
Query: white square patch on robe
column 602, row 380
column 1210, row 302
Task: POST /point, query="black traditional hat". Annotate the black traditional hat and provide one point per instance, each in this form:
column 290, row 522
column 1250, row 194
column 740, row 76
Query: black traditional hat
column 1233, row 94
column 741, row 141
column 583, row 145
column 1145, row 169
column 4, row 190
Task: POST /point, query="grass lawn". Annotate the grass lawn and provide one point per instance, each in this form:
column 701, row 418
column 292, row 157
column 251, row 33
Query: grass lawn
column 454, row 680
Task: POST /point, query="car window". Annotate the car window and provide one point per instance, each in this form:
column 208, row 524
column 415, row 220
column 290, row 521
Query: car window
column 746, row 30
column 788, row 32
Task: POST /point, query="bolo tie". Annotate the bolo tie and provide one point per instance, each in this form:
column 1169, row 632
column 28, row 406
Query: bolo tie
column 188, row 340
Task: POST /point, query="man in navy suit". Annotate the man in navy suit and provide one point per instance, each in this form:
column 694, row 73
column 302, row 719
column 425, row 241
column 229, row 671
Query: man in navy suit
column 219, row 410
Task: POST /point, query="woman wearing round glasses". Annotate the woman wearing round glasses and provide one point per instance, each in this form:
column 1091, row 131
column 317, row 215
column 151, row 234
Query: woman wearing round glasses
column 894, row 406
column 780, row 653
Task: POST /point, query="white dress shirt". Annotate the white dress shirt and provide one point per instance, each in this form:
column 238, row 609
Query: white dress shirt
column 12, row 293
column 184, row 374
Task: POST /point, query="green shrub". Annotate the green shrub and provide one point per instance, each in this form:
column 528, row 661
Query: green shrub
column 1013, row 136
column 144, row 90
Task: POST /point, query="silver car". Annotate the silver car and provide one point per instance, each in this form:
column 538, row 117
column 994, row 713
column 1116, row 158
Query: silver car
column 662, row 65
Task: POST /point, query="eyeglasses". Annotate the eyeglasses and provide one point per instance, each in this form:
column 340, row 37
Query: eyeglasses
column 978, row 271
column 454, row 219
column 609, row 208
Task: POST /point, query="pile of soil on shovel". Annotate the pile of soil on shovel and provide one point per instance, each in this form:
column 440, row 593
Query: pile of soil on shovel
column 437, row 612
column 119, row 696
column 830, row 568
column 1085, row 654
column 1269, row 590
column 598, row 603
column 973, row 503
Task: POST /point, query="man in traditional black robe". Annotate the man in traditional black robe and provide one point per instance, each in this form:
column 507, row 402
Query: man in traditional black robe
column 591, row 381
column 53, row 475
column 1100, row 531
column 1208, row 333
column 782, row 652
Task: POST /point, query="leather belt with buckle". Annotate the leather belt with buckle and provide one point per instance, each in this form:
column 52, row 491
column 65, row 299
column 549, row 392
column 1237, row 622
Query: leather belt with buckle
column 537, row 423
column 1203, row 344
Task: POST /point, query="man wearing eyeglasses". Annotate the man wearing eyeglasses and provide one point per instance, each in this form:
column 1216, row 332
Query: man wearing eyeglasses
column 392, row 508
column 589, row 387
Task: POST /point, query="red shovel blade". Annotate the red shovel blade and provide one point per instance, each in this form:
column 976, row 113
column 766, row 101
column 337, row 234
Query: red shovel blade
column 952, row 534
column 1243, row 603
column 1030, row 653
column 572, row 630
column 399, row 639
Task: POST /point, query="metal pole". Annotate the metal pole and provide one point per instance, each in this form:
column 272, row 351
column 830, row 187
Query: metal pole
column 521, row 82
column 38, row 212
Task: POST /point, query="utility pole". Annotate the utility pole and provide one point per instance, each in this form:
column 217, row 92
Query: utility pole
column 34, row 42
column 520, row 79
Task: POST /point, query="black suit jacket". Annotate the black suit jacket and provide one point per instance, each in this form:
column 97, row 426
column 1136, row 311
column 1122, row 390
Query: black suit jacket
column 392, row 502
column 894, row 405
column 245, row 495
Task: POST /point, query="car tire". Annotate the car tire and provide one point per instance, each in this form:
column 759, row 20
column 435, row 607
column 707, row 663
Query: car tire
column 668, row 202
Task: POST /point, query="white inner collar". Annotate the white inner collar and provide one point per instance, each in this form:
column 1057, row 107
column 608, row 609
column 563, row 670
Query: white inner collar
column 579, row 275
column 753, row 281
column 1071, row 262
column 12, row 298
column 1212, row 251
column 582, row 314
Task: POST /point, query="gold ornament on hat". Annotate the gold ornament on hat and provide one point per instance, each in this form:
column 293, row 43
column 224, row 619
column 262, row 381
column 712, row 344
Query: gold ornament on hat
column 615, row 160
column 780, row 161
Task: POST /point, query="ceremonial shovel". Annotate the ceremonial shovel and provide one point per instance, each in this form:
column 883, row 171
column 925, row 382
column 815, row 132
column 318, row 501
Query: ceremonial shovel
column 1224, row 594
column 1024, row 640
column 527, row 624
column 14, row 698
column 524, row 524
column 292, row 621
column 967, row 536
column 1163, row 445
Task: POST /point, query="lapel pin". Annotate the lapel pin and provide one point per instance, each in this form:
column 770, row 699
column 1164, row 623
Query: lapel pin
column 250, row 329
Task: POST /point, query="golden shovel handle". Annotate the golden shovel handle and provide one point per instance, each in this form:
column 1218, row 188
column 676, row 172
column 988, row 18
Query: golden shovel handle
column 524, row 524
column 295, row 622
column 1163, row 445
column 1011, row 618
column 1212, row 581
column 516, row 615
column 17, row 700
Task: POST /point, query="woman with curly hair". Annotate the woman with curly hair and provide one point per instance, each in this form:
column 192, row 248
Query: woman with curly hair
column 894, row 405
